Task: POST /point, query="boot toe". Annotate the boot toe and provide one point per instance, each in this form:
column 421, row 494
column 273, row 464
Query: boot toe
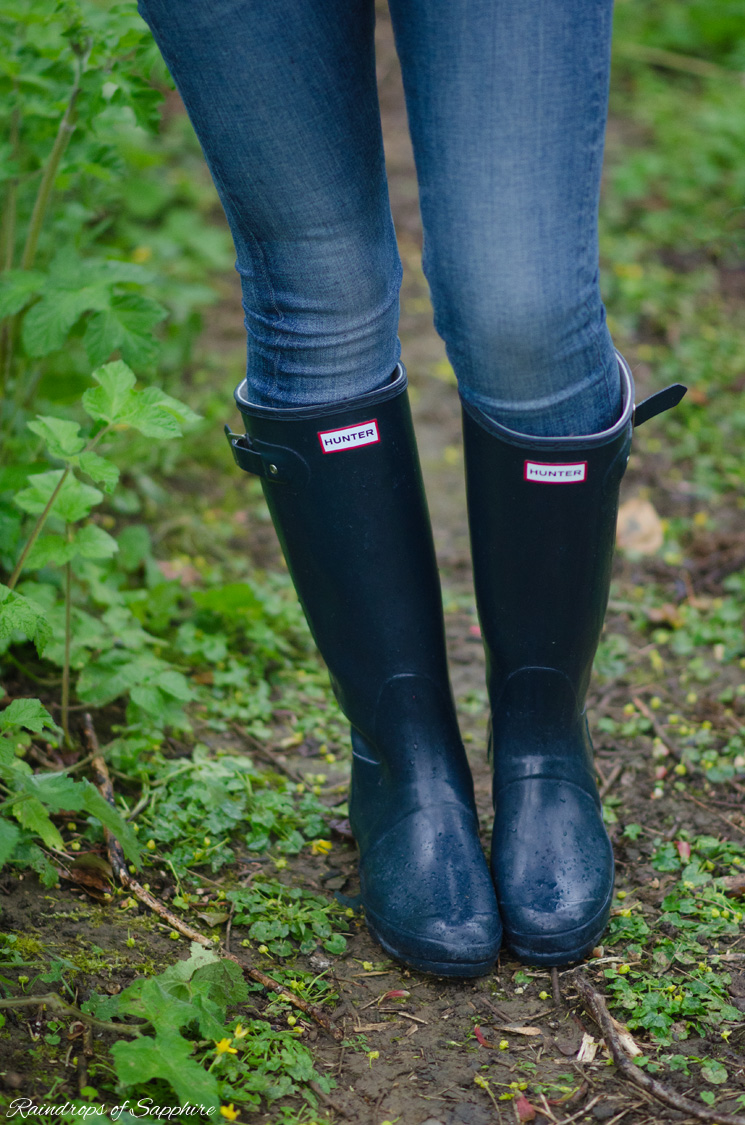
column 428, row 895
column 553, row 869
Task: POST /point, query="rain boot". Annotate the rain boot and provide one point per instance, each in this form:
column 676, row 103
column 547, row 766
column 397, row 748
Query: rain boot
column 542, row 515
column 344, row 489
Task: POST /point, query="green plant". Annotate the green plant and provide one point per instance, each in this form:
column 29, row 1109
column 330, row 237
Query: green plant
column 274, row 913
column 184, row 1042
column 672, row 981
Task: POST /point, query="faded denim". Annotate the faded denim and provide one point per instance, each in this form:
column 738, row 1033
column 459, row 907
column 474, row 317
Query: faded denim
column 507, row 106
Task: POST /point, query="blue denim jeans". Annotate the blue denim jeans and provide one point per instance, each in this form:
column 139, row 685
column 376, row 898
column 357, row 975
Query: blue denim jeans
column 507, row 107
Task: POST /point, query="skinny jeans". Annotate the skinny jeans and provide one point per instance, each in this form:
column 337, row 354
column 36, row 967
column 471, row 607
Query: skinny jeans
column 507, row 103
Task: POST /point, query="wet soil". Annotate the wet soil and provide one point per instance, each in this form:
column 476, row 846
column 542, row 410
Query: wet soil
column 425, row 1055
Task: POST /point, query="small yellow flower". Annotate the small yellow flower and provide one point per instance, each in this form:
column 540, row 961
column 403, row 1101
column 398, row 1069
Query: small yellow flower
column 321, row 847
column 240, row 1031
column 504, row 1045
column 142, row 254
column 229, row 1112
column 543, row 996
column 224, row 1048
column 367, row 966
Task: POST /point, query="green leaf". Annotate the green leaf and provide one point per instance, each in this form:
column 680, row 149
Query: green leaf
column 167, row 1057
column 19, row 614
column 153, row 415
column 61, row 793
column 336, row 944
column 126, row 325
column 73, row 502
column 175, row 684
column 8, row 839
column 232, row 598
column 151, row 411
column 16, row 289
column 111, row 400
column 62, row 438
column 134, row 546
column 708, row 1097
column 46, row 325
column 165, row 403
column 27, row 713
column 100, row 470
column 49, row 550
column 714, row 1072
column 32, row 815
column 92, row 542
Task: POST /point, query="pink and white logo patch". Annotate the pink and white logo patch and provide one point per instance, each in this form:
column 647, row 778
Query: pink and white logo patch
column 548, row 473
column 349, row 437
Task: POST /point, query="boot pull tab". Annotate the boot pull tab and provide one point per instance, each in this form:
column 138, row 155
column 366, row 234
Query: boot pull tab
column 658, row 403
column 271, row 462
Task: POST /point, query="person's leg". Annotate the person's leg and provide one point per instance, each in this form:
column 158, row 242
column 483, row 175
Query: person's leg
column 507, row 105
column 507, row 109
column 283, row 99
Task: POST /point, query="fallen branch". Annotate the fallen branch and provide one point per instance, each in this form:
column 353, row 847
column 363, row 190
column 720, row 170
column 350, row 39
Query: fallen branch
column 611, row 780
column 121, row 872
column 555, row 987
column 62, row 1008
column 596, row 1006
column 657, row 727
column 269, row 756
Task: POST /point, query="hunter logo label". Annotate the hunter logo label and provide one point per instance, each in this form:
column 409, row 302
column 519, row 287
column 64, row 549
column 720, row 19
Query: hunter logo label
column 349, row 437
column 548, row 473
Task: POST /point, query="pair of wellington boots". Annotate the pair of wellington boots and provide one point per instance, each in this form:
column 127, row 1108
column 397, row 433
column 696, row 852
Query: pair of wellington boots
column 345, row 492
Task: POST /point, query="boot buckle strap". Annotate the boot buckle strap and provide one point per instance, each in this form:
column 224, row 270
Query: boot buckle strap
column 271, row 462
column 658, row 403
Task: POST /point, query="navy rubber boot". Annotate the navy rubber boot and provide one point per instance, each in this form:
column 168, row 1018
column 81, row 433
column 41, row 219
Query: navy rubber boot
column 542, row 516
column 345, row 492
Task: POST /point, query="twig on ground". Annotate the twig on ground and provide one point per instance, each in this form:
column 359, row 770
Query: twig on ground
column 581, row 1112
column 611, row 780
column 57, row 1004
column 270, row 757
column 555, row 987
column 121, row 871
column 595, row 1004
column 709, row 809
column 323, row 1097
column 656, row 726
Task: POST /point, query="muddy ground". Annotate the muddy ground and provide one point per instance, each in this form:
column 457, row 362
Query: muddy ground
column 427, row 1055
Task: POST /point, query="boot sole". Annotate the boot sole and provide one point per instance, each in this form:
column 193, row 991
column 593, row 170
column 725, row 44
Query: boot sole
column 582, row 944
column 432, row 968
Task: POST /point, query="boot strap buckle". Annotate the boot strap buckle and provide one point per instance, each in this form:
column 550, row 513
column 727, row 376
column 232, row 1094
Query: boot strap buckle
column 271, row 462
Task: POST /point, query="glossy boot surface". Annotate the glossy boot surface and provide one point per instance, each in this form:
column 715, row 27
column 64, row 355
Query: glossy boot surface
column 344, row 489
column 542, row 514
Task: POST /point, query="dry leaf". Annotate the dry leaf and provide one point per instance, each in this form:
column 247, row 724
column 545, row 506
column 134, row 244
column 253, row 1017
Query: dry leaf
column 524, row 1109
column 639, row 527
column 627, row 1040
column 588, row 1049
column 733, row 885
column 518, row 1030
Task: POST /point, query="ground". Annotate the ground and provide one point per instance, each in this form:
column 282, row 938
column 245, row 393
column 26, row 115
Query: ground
column 416, row 1058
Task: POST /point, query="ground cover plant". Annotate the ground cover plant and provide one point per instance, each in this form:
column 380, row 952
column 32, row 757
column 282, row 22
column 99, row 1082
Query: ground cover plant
column 140, row 585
